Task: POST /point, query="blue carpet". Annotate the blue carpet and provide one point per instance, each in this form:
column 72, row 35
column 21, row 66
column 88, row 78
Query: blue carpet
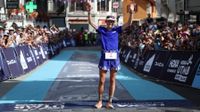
column 142, row 89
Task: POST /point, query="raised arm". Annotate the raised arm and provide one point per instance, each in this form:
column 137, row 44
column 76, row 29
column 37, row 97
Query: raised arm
column 131, row 11
column 88, row 9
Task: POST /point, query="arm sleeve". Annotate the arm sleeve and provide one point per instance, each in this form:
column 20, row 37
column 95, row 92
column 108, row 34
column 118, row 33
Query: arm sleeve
column 99, row 29
column 119, row 29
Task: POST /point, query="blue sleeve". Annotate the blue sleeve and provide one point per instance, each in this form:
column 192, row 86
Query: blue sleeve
column 100, row 29
column 118, row 29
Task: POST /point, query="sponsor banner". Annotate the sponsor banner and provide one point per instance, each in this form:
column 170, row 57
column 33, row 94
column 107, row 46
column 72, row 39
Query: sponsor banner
column 33, row 56
column 46, row 50
column 159, row 61
column 37, row 54
column 28, row 57
column 4, row 70
column 180, row 67
column 13, row 64
column 124, row 53
column 41, row 54
column 21, row 58
column 132, row 58
column 196, row 81
column 145, row 61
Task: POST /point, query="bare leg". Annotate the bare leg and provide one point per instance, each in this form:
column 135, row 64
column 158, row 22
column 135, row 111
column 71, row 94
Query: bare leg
column 102, row 75
column 111, row 88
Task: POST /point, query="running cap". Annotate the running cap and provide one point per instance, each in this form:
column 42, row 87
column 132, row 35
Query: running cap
column 110, row 18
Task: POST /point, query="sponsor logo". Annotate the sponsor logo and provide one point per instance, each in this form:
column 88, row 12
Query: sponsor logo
column 11, row 62
column 181, row 68
column 149, row 63
column 159, row 64
column 127, row 57
column 174, row 63
column 29, row 59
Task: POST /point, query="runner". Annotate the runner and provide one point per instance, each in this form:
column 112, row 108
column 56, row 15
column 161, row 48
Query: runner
column 109, row 55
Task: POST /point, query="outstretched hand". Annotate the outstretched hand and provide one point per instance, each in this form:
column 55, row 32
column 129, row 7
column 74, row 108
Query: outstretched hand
column 88, row 6
column 132, row 8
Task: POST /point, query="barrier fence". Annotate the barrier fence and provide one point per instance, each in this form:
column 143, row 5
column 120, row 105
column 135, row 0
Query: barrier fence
column 181, row 67
column 16, row 61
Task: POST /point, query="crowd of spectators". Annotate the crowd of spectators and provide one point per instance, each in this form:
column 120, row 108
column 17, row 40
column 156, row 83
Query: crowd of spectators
column 29, row 35
column 162, row 35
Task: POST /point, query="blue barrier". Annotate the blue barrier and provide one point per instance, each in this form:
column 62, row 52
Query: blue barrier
column 181, row 67
column 4, row 71
column 17, row 61
column 12, row 61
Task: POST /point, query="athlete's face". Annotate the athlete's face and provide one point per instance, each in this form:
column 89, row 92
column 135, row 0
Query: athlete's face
column 109, row 23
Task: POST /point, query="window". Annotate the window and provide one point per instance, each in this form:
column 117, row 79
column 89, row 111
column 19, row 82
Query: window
column 77, row 6
column 102, row 5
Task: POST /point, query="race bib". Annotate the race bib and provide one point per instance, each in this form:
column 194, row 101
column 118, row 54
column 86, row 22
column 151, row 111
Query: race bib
column 111, row 55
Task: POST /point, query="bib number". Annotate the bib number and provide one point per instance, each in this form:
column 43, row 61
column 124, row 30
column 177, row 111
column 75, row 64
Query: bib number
column 111, row 55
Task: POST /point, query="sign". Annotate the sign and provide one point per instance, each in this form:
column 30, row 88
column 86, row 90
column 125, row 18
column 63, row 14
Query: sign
column 30, row 6
column 12, row 4
column 115, row 5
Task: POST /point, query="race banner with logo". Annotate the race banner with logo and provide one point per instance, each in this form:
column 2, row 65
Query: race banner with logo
column 174, row 66
column 124, row 53
column 40, row 54
column 45, row 49
column 145, row 61
column 27, row 57
column 21, row 58
column 132, row 58
column 33, row 56
column 180, row 67
column 37, row 55
column 156, row 63
column 10, row 56
column 4, row 70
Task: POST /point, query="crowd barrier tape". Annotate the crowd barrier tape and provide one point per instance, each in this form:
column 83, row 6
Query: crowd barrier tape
column 181, row 67
column 16, row 61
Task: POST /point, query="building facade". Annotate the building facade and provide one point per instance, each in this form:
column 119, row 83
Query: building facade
column 76, row 16
column 142, row 9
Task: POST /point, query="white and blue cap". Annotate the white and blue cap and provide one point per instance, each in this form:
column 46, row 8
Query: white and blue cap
column 110, row 18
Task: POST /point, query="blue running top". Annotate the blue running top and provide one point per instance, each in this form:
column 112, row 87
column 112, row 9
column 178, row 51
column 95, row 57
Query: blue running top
column 109, row 38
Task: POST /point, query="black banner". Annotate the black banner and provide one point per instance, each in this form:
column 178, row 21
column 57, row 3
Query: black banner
column 181, row 67
column 144, row 61
column 159, row 59
column 174, row 66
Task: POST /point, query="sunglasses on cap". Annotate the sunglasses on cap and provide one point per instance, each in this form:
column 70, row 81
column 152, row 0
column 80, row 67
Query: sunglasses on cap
column 110, row 18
